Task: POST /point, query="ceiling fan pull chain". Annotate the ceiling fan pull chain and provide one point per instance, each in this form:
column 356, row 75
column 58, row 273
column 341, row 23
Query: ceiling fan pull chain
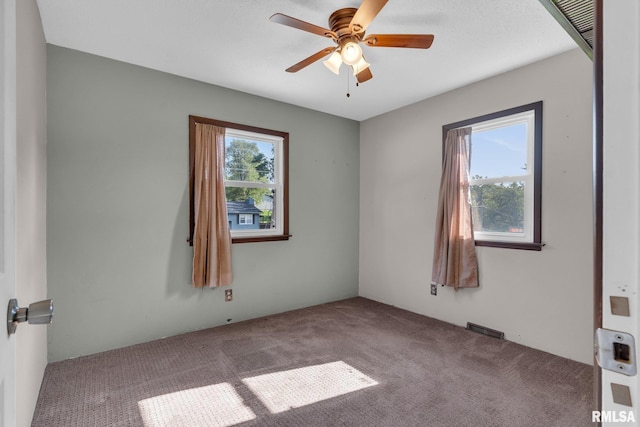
column 348, row 94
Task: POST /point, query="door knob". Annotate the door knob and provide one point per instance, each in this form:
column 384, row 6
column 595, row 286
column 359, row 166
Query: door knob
column 38, row 313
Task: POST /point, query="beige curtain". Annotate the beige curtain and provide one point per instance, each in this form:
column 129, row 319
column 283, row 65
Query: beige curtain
column 211, row 236
column 454, row 258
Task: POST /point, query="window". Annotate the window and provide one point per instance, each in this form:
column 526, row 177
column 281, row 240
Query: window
column 245, row 219
column 505, row 176
column 256, row 180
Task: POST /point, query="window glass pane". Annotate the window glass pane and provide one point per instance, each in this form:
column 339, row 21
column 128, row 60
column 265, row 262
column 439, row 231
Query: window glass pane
column 498, row 207
column 251, row 208
column 241, row 214
column 249, row 160
column 268, row 208
column 499, row 152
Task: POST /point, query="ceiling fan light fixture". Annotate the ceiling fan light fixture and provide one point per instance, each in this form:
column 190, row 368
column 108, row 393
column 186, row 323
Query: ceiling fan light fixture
column 361, row 65
column 351, row 53
column 334, row 62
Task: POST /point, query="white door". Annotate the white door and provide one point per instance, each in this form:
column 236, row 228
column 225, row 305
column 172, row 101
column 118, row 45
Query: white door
column 7, row 210
column 621, row 211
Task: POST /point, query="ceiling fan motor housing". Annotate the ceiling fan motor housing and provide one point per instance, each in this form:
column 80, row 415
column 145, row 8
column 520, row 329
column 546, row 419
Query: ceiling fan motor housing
column 340, row 21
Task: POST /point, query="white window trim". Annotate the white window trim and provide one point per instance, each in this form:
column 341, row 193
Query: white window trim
column 527, row 117
column 277, row 185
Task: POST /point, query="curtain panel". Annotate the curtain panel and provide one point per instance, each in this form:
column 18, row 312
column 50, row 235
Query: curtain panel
column 454, row 256
column 211, row 236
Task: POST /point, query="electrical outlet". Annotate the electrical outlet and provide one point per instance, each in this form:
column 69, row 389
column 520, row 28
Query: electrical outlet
column 434, row 289
column 228, row 295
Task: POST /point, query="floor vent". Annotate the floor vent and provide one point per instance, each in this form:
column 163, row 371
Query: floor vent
column 485, row 331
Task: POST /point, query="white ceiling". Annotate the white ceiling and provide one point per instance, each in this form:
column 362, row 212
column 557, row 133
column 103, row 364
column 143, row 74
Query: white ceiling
column 233, row 44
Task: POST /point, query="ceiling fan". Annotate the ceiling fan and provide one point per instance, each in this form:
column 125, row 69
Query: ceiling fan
column 348, row 27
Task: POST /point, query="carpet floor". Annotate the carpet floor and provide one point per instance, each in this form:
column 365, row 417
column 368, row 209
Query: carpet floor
column 349, row 363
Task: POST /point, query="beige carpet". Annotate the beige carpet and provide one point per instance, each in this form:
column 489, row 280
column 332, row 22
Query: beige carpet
column 349, row 363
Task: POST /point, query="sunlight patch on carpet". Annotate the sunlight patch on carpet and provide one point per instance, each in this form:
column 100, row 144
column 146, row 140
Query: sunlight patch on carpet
column 217, row 405
column 281, row 391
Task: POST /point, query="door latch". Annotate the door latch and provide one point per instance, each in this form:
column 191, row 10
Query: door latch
column 615, row 351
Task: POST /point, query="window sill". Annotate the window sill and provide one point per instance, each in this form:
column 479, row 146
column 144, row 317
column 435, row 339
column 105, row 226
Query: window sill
column 511, row 245
column 255, row 239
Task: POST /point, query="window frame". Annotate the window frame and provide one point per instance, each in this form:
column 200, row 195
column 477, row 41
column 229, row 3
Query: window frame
column 536, row 213
column 281, row 187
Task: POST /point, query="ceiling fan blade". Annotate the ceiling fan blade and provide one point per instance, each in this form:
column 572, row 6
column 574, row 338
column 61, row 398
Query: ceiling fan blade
column 279, row 18
column 368, row 10
column 310, row 60
column 364, row 75
column 416, row 41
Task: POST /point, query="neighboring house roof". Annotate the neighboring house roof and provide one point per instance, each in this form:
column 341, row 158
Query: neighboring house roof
column 242, row 208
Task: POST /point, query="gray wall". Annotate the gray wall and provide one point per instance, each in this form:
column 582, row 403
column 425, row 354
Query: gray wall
column 118, row 262
column 539, row 299
column 31, row 233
